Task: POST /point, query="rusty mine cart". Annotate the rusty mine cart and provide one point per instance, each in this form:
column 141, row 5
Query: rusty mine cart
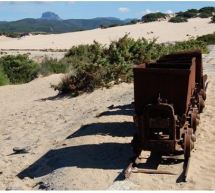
column 168, row 98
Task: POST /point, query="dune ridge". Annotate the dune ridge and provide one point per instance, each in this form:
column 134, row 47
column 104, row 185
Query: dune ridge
column 83, row 143
column 164, row 32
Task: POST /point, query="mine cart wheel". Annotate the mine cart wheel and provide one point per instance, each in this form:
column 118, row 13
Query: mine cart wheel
column 194, row 121
column 203, row 94
column 201, row 104
column 197, row 116
column 135, row 145
column 187, row 145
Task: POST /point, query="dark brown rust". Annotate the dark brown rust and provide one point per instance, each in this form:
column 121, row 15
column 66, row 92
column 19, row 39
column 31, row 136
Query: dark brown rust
column 168, row 97
column 180, row 56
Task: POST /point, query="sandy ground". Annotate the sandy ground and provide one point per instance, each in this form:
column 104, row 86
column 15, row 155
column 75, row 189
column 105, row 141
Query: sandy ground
column 36, row 55
column 164, row 31
column 28, row 119
column 84, row 142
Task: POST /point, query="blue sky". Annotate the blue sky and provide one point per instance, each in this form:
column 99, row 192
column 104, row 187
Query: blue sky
column 10, row 11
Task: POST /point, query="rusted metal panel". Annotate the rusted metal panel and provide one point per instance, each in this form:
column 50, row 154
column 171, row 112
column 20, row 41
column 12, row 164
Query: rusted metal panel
column 164, row 146
column 173, row 84
column 182, row 56
column 168, row 95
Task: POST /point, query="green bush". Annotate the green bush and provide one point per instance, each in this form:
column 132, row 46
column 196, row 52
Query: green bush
column 177, row 19
column 3, row 77
column 88, row 77
column 84, row 79
column 134, row 21
column 93, row 52
column 118, row 51
column 128, row 50
column 187, row 14
column 194, row 11
column 204, row 15
column 10, row 34
column 154, row 17
column 191, row 44
column 94, row 66
column 207, row 10
column 208, row 39
column 52, row 65
column 204, row 12
column 213, row 19
column 19, row 69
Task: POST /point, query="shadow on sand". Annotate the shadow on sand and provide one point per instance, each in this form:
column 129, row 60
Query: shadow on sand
column 56, row 97
column 100, row 156
column 152, row 162
column 127, row 109
column 114, row 129
column 107, row 156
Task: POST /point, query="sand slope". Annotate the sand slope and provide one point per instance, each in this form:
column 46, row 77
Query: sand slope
column 28, row 119
column 164, row 31
column 74, row 148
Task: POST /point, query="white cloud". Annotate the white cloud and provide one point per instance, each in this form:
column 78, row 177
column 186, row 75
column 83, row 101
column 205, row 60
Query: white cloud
column 147, row 11
column 123, row 10
column 169, row 12
column 70, row 2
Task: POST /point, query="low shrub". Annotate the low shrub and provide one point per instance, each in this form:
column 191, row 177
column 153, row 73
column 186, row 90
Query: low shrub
column 13, row 34
column 191, row 13
column 191, row 44
column 177, row 19
column 204, row 15
column 94, row 66
column 52, row 65
column 204, row 12
column 207, row 10
column 114, row 25
column 19, row 69
column 3, row 77
column 93, row 52
column 209, row 39
column 194, row 11
column 154, row 17
column 88, row 77
column 134, row 21
column 213, row 19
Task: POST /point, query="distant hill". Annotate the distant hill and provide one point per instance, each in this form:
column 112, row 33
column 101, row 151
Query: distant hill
column 50, row 16
column 52, row 23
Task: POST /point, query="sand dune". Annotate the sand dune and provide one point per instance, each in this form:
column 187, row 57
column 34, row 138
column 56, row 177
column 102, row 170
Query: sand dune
column 164, row 31
column 74, row 148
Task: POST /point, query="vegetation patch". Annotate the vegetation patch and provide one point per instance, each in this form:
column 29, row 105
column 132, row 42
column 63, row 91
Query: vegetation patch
column 204, row 15
column 207, row 10
column 88, row 67
column 204, row 12
column 97, row 66
column 19, row 69
column 213, row 19
column 154, row 17
column 3, row 77
column 13, row 34
column 51, row 66
column 178, row 19
column 191, row 13
column 209, row 39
